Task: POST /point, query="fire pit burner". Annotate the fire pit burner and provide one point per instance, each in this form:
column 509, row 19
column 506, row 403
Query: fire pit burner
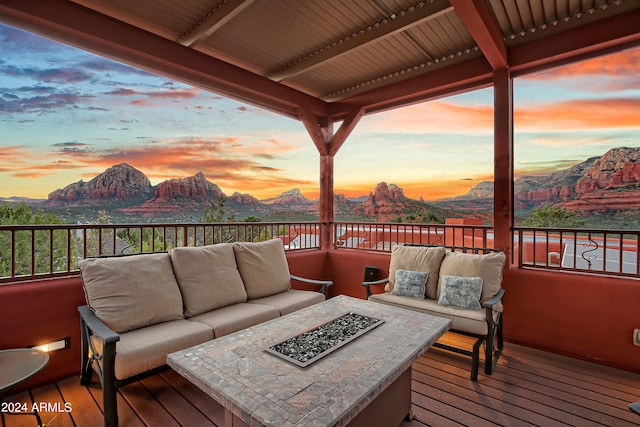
column 314, row 344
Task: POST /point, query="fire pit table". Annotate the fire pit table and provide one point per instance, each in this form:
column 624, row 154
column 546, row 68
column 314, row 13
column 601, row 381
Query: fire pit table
column 348, row 362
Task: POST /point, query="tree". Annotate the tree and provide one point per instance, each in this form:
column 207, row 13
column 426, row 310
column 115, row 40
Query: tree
column 552, row 216
column 50, row 247
column 216, row 213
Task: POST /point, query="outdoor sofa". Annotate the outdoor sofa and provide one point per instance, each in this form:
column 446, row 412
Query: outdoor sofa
column 447, row 282
column 142, row 307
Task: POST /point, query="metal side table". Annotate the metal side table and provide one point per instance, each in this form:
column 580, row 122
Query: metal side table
column 16, row 366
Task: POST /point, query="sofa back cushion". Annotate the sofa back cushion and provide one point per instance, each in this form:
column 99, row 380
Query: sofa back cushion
column 130, row 292
column 487, row 266
column 417, row 258
column 263, row 267
column 208, row 277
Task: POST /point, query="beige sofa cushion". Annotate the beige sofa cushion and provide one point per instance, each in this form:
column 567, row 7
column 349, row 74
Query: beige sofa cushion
column 147, row 348
column 263, row 267
column 487, row 266
column 472, row 321
column 208, row 277
column 417, row 258
column 236, row 317
column 290, row 301
column 130, row 292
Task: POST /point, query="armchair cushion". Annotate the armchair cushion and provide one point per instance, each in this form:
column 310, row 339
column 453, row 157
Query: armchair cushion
column 263, row 267
column 415, row 258
column 486, row 266
column 461, row 292
column 208, row 277
column 127, row 292
column 410, row 283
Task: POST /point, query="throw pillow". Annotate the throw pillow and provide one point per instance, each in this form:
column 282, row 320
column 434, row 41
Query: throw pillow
column 487, row 266
column 410, row 284
column 417, row 258
column 460, row 292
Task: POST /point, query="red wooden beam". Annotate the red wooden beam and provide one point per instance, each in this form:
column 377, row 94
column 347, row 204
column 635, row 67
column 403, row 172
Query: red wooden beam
column 473, row 73
column 480, row 22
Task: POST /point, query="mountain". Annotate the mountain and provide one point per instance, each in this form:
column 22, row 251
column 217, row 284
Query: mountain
column 605, row 189
column 193, row 193
column 120, row 185
column 14, row 200
column 246, row 204
column 607, row 182
column 289, row 200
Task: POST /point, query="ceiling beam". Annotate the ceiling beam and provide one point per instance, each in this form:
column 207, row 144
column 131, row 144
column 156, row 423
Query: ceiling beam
column 215, row 19
column 87, row 29
column 595, row 39
column 463, row 76
column 481, row 24
column 402, row 21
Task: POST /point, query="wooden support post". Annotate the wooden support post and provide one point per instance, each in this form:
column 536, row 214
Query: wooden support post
column 328, row 144
column 326, row 200
column 503, row 160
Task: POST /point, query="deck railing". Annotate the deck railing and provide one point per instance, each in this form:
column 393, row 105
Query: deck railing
column 30, row 252
column 610, row 252
column 380, row 237
column 41, row 251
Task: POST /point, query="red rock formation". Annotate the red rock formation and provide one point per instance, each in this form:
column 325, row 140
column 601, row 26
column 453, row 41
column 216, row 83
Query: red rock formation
column 193, row 193
column 120, row 183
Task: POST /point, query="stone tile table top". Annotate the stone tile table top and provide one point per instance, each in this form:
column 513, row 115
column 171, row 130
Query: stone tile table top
column 263, row 389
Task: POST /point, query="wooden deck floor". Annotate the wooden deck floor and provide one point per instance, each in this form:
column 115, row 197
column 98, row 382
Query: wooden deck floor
column 528, row 387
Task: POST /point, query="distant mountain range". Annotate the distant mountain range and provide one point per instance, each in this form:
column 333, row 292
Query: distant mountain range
column 609, row 183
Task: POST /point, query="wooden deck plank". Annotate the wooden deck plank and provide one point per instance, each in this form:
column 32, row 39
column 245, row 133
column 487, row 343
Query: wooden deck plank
column 84, row 409
column 542, row 387
column 180, row 408
column 126, row 414
column 22, row 419
column 528, row 387
column 146, row 406
column 51, row 406
column 521, row 404
column 209, row 407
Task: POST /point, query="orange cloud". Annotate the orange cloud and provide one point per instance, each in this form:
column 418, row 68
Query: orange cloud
column 622, row 64
column 580, row 114
column 436, row 117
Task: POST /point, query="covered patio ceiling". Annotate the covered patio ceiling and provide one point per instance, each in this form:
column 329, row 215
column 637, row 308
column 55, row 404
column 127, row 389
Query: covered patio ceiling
column 328, row 59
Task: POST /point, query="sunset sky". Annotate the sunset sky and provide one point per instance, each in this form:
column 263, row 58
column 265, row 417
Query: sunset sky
column 67, row 115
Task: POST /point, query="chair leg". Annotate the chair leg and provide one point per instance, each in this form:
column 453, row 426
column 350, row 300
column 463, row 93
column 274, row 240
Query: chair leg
column 475, row 360
column 494, row 346
column 109, row 387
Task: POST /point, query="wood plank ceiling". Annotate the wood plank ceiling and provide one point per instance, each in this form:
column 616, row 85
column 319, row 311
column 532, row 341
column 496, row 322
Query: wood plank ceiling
column 332, row 56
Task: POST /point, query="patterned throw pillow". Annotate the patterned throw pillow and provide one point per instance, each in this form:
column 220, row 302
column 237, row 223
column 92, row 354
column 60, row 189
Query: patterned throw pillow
column 410, row 284
column 460, row 292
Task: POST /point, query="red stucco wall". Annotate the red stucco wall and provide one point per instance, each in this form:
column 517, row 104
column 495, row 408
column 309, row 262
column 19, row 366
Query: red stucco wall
column 35, row 313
